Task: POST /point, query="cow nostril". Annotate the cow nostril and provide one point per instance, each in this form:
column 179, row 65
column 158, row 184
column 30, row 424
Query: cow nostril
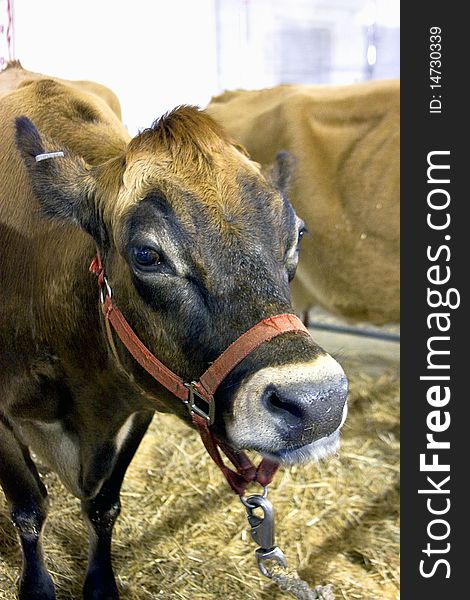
column 285, row 409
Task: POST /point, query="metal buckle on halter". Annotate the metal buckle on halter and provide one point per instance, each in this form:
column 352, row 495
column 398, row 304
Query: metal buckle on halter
column 194, row 408
column 109, row 291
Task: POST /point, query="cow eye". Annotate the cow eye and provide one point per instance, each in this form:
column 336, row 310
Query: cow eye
column 146, row 257
column 302, row 231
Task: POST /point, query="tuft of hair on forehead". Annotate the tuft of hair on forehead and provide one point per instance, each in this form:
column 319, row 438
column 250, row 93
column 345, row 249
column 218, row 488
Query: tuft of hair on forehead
column 186, row 129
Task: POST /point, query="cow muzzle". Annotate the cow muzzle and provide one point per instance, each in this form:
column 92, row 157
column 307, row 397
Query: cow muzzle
column 291, row 412
column 286, row 435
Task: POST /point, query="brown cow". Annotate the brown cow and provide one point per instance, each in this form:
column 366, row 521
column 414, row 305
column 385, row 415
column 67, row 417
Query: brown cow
column 14, row 76
column 346, row 140
column 198, row 246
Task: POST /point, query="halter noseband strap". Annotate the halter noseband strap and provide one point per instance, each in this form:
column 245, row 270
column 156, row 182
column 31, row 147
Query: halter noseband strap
column 205, row 388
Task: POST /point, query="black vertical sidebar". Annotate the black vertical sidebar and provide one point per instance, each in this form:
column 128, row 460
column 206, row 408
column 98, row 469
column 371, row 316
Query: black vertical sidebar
column 435, row 331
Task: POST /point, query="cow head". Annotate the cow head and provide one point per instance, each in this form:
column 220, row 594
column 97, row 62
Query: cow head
column 199, row 246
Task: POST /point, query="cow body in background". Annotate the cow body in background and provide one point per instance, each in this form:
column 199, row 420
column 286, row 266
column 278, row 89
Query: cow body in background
column 346, row 140
column 198, row 245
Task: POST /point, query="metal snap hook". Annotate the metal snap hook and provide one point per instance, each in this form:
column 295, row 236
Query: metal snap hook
column 246, row 501
column 262, row 527
column 275, row 554
column 262, row 531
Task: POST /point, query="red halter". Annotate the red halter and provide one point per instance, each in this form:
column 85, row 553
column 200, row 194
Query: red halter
column 208, row 383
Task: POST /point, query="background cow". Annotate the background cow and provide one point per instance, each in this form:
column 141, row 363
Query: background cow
column 198, row 245
column 346, row 141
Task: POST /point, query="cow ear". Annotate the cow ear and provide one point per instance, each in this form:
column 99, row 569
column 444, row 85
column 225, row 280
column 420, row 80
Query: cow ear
column 282, row 172
column 62, row 183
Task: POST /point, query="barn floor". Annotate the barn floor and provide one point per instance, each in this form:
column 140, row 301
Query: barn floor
column 183, row 535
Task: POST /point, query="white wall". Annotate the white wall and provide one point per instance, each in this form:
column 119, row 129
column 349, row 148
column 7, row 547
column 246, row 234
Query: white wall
column 155, row 54
column 263, row 43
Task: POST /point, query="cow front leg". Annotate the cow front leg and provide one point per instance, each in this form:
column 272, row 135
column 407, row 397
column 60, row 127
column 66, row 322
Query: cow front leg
column 100, row 514
column 27, row 499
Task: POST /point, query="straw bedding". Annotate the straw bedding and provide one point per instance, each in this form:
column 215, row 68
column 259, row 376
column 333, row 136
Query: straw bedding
column 183, row 535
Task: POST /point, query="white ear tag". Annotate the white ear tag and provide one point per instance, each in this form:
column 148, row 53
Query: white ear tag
column 46, row 155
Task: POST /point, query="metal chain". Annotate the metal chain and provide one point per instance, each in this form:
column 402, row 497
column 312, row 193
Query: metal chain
column 288, row 580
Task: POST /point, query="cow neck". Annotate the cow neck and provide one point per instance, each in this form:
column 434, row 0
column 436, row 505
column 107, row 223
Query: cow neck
column 190, row 393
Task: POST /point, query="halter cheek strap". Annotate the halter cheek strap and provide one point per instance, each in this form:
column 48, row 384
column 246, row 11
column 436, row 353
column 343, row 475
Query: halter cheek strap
column 192, row 393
